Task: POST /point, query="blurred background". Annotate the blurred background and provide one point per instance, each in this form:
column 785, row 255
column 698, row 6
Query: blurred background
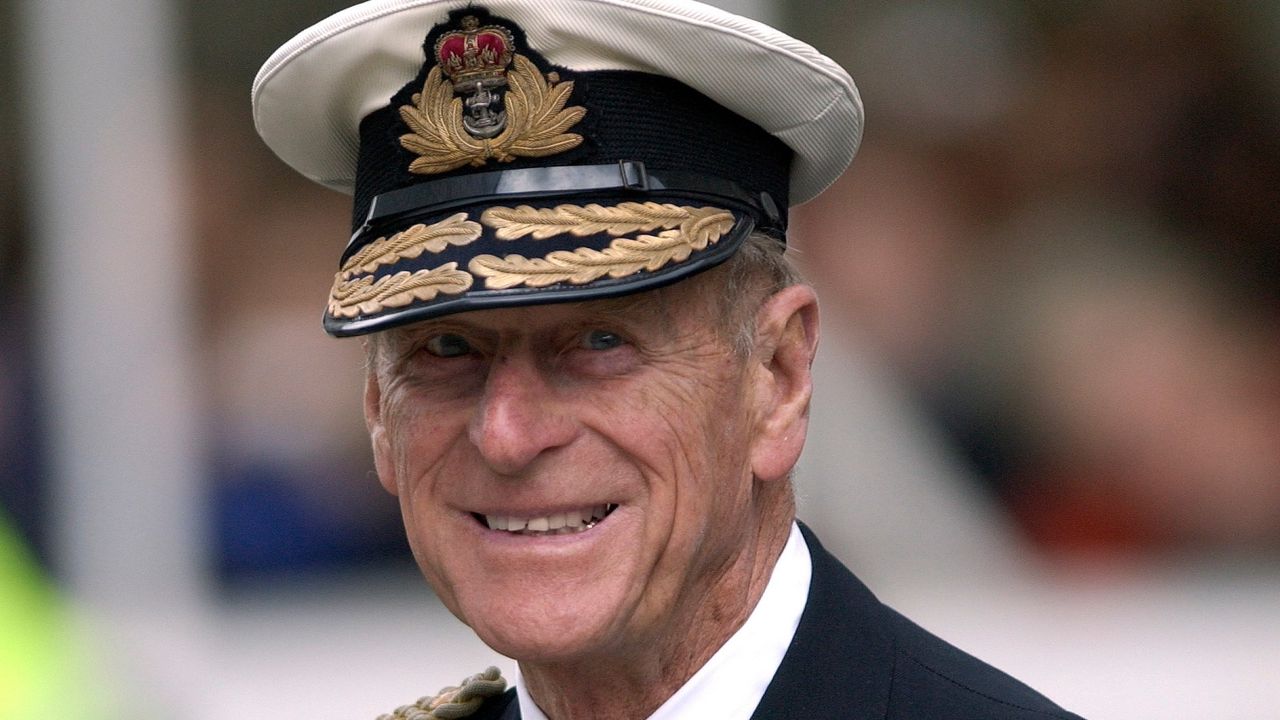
column 1047, row 423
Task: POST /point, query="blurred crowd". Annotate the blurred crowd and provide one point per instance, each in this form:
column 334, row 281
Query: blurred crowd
column 1062, row 233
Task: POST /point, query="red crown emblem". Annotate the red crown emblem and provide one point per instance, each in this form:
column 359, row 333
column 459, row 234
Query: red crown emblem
column 475, row 55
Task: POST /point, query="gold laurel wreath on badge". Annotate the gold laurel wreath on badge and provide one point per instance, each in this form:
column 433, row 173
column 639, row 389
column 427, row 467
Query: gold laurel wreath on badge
column 536, row 122
column 684, row 230
column 681, row 230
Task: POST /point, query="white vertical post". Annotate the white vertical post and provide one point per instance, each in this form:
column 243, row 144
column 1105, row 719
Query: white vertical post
column 112, row 254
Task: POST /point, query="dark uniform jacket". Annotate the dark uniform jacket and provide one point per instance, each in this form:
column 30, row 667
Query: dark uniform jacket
column 853, row 658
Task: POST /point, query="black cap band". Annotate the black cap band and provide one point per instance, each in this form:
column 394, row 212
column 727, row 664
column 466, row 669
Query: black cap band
column 397, row 209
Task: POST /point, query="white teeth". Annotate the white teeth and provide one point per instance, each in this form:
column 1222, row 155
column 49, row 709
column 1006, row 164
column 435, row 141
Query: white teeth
column 570, row 521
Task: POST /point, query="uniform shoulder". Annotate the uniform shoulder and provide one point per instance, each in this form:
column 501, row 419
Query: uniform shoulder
column 934, row 679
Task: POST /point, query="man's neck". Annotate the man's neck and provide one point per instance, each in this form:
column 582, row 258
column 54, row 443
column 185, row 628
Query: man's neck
column 634, row 684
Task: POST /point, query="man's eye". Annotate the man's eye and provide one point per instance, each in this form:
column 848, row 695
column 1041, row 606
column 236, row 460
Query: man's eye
column 447, row 345
column 602, row 340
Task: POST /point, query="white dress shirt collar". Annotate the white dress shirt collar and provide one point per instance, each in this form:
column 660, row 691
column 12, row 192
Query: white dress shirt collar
column 730, row 685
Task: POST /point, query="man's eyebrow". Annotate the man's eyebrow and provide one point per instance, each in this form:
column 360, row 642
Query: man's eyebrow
column 643, row 305
column 652, row 305
column 396, row 340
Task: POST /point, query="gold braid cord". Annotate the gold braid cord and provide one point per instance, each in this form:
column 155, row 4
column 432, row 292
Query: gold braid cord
column 687, row 229
column 410, row 243
column 365, row 296
column 537, row 121
column 454, row 702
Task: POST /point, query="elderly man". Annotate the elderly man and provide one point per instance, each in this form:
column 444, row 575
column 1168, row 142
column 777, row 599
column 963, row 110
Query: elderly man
column 588, row 357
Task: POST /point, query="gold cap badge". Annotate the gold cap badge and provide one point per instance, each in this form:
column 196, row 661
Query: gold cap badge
column 483, row 100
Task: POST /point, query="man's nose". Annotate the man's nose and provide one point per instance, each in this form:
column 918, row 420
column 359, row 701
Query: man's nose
column 520, row 416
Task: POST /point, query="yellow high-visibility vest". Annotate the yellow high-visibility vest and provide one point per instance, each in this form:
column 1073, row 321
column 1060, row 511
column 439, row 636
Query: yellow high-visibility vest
column 44, row 671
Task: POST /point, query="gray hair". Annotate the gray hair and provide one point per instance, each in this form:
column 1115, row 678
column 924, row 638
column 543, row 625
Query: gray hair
column 756, row 271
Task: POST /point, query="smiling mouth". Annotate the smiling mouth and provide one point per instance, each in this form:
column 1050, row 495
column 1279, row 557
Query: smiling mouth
column 561, row 523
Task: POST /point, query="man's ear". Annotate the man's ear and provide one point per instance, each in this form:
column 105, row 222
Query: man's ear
column 786, row 341
column 374, row 421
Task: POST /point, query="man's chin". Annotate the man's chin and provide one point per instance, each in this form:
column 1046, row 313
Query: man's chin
column 542, row 620
column 534, row 642
column 544, row 598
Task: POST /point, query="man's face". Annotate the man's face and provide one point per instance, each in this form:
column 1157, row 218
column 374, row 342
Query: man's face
column 627, row 425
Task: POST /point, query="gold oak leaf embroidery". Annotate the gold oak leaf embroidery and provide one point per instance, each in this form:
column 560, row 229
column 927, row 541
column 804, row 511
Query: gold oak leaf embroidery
column 580, row 221
column 410, row 243
column 365, row 296
column 698, row 228
column 537, row 121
